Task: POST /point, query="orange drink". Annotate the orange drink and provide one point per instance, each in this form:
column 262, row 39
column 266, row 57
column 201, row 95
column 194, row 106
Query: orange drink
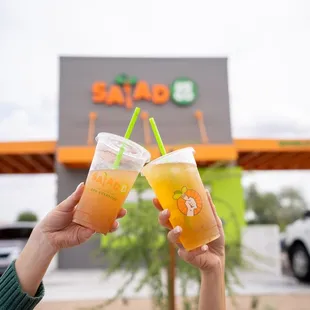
column 107, row 188
column 177, row 184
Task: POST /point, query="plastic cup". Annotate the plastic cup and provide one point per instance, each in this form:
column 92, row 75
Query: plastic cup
column 177, row 184
column 107, row 188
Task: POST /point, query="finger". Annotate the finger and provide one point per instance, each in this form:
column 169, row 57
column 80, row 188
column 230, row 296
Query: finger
column 70, row 202
column 157, row 204
column 218, row 220
column 122, row 213
column 163, row 219
column 84, row 234
column 114, row 226
column 189, row 256
column 174, row 235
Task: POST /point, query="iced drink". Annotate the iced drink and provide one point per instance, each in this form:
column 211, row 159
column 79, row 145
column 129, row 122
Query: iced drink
column 177, row 184
column 107, row 188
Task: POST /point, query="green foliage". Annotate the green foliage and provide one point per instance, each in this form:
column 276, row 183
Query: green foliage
column 27, row 216
column 140, row 246
column 280, row 208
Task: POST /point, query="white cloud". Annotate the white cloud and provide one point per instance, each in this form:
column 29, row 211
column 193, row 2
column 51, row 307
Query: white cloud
column 264, row 40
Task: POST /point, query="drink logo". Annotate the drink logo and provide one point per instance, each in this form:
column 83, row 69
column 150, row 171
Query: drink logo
column 189, row 201
column 109, row 183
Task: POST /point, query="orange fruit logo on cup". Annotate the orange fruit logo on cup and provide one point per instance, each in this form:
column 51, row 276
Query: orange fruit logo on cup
column 188, row 201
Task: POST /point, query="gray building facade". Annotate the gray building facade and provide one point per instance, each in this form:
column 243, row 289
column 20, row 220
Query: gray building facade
column 176, row 122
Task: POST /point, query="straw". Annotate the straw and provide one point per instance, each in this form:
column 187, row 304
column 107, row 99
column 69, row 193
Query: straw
column 157, row 137
column 129, row 130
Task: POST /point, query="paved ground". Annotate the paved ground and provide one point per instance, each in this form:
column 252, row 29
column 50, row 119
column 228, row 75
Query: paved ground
column 76, row 290
column 92, row 285
column 288, row 302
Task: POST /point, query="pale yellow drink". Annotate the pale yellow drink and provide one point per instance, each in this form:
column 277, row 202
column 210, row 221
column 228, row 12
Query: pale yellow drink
column 179, row 189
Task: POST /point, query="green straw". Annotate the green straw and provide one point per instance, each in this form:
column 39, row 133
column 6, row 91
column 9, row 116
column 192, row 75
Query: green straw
column 157, row 137
column 129, row 130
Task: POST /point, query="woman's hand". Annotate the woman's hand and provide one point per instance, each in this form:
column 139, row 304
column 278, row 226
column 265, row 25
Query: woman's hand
column 206, row 258
column 59, row 230
column 56, row 231
column 210, row 259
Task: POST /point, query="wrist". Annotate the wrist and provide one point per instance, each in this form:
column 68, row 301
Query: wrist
column 37, row 250
column 217, row 268
column 33, row 262
column 39, row 242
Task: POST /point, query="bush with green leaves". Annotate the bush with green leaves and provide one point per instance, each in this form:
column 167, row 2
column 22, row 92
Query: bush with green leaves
column 27, row 216
column 141, row 245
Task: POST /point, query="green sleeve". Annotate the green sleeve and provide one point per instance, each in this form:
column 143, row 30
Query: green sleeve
column 12, row 296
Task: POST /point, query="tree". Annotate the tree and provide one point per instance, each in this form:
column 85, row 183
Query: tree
column 141, row 250
column 280, row 208
column 293, row 205
column 27, row 216
column 264, row 205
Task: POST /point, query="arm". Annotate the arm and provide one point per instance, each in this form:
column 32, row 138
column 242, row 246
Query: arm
column 212, row 290
column 210, row 259
column 33, row 262
column 20, row 285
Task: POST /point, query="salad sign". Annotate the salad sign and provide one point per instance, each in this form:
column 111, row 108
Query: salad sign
column 126, row 90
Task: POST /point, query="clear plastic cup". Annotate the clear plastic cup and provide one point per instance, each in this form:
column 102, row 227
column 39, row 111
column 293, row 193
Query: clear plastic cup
column 106, row 188
column 177, row 184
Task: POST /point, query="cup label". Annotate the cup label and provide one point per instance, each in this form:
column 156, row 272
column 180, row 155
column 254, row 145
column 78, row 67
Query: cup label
column 108, row 186
column 188, row 201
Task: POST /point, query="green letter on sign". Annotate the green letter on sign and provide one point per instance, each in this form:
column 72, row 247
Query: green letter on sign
column 183, row 91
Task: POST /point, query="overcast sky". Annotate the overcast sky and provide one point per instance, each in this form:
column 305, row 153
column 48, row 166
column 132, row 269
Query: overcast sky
column 266, row 42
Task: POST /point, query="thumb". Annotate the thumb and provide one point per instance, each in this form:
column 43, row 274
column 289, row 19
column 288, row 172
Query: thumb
column 85, row 234
column 69, row 203
column 190, row 256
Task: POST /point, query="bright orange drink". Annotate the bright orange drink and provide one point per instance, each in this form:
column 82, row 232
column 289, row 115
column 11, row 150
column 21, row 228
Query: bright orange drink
column 104, row 194
column 179, row 189
column 107, row 186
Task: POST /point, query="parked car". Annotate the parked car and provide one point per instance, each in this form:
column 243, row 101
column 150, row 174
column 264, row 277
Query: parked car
column 13, row 238
column 297, row 244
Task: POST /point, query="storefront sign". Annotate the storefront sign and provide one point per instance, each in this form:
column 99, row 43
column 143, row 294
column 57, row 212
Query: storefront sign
column 126, row 90
column 294, row 143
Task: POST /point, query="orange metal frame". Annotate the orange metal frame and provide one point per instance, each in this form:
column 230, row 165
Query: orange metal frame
column 41, row 156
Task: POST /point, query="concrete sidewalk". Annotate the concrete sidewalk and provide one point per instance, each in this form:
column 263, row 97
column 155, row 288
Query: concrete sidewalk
column 93, row 285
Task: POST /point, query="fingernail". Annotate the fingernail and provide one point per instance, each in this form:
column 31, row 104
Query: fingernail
column 165, row 212
column 204, row 248
column 78, row 187
column 177, row 229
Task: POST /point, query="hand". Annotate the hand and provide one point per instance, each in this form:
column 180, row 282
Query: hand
column 205, row 258
column 58, row 228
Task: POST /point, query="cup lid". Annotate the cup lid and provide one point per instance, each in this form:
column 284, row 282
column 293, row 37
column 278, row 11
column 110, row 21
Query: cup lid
column 132, row 149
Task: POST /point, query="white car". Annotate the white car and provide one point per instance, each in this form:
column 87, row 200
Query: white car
column 13, row 238
column 297, row 244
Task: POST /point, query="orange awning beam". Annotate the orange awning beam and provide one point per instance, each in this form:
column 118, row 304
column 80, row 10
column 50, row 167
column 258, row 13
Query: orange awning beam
column 91, row 128
column 146, row 128
column 202, row 128
column 272, row 154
